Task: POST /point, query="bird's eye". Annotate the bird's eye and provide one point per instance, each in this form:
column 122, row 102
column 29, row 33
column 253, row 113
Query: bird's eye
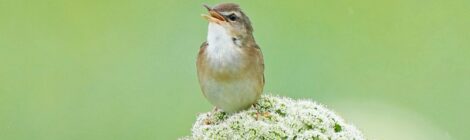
column 232, row 17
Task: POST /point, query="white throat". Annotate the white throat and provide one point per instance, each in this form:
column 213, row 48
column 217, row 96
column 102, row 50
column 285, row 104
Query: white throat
column 221, row 51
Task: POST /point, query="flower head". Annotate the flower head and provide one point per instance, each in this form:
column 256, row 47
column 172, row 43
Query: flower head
column 275, row 117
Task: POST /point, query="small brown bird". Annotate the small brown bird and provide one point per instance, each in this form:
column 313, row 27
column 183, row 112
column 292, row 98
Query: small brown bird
column 230, row 65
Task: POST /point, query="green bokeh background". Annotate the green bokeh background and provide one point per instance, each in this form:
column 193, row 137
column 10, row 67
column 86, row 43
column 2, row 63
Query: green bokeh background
column 86, row 69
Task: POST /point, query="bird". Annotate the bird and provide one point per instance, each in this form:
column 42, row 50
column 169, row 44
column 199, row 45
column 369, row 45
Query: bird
column 230, row 65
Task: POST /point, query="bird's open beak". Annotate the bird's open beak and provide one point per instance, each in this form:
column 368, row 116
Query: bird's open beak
column 213, row 16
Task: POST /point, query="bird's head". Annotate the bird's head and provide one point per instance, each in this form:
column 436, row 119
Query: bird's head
column 230, row 18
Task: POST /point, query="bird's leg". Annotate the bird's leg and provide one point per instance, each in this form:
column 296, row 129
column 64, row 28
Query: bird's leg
column 214, row 109
column 257, row 111
column 207, row 121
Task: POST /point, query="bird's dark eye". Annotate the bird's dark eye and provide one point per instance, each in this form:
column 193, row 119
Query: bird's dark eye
column 232, row 17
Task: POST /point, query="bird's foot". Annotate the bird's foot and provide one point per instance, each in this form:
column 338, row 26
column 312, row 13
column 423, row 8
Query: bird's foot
column 266, row 114
column 260, row 114
column 208, row 121
column 257, row 112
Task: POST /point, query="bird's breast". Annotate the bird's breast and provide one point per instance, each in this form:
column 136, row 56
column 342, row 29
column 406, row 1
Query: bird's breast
column 221, row 59
column 222, row 55
column 221, row 51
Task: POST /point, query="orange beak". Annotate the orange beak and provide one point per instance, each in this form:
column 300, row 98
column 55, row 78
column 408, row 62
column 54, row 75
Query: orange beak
column 213, row 16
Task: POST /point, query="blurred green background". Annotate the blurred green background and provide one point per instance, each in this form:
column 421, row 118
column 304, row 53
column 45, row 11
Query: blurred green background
column 86, row 69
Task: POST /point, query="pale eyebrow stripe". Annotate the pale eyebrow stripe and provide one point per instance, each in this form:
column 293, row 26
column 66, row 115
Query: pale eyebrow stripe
column 228, row 13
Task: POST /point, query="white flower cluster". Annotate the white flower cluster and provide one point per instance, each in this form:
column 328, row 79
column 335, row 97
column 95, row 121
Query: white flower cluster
column 275, row 118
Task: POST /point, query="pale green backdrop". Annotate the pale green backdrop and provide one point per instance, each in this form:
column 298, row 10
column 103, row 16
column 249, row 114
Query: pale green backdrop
column 125, row 69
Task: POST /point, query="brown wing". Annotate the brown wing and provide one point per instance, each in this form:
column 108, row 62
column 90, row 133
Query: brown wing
column 200, row 55
column 200, row 62
column 202, row 49
column 262, row 62
column 260, row 59
column 204, row 44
